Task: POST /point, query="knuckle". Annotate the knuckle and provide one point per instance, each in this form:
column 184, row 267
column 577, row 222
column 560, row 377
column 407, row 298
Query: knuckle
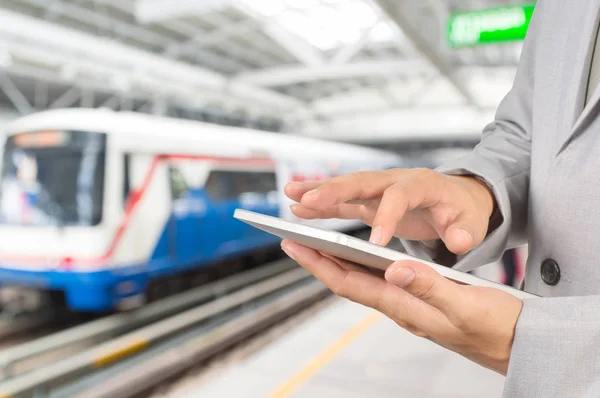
column 397, row 173
column 409, row 327
column 426, row 291
column 425, row 172
column 340, row 288
column 396, row 188
column 417, row 332
column 337, row 289
column 395, row 192
column 364, row 214
column 389, row 307
column 356, row 176
column 465, row 323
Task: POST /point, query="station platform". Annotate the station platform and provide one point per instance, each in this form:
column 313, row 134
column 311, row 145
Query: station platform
column 346, row 350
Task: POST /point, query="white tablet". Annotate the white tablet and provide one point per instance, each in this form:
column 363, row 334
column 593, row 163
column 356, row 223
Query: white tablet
column 356, row 250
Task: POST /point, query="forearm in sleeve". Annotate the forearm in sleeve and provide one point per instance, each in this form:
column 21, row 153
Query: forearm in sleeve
column 556, row 350
column 502, row 161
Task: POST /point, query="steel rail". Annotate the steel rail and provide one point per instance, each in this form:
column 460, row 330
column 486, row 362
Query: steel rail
column 89, row 361
column 162, row 367
column 124, row 322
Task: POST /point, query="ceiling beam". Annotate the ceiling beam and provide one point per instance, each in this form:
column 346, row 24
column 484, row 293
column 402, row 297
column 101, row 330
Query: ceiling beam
column 67, row 99
column 293, row 44
column 408, row 124
column 15, row 96
column 212, row 38
column 346, row 53
column 83, row 48
column 140, row 34
column 284, row 76
column 400, row 11
column 154, row 11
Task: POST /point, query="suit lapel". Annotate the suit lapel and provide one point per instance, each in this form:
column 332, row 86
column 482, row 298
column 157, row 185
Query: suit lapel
column 578, row 115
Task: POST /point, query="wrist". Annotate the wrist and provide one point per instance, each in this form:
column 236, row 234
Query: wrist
column 482, row 192
column 487, row 194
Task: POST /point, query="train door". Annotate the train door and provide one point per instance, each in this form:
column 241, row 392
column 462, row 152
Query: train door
column 147, row 202
column 260, row 193
column 188, row 207
column 219, row 230
column 227, row 190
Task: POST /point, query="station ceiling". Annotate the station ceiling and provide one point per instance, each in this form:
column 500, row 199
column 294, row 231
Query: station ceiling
column 370, row 70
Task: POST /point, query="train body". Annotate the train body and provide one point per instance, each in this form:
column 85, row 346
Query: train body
column 97, row 204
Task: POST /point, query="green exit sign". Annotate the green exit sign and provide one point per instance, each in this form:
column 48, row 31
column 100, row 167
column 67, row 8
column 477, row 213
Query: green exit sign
column 493, row 25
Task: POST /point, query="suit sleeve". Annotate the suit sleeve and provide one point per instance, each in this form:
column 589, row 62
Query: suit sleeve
column 502, row 161
column 556, row 349
column 555, row 352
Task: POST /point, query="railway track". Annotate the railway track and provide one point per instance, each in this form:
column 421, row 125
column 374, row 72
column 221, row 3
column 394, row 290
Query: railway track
column 166, row 366
column 126, row 354
column 72, row 359
column 22, row 327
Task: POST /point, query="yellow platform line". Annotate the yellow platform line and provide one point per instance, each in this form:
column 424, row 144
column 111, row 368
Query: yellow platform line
column 325, row 356
column 119, row 353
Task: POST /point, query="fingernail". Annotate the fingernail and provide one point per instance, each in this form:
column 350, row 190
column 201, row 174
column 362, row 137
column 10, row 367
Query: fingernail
column 465, row 234
column 290, row 253
column 376, row 235
column 402, row 276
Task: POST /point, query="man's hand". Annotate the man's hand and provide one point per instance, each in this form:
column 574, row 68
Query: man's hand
column 475, row 322
column 414, row 204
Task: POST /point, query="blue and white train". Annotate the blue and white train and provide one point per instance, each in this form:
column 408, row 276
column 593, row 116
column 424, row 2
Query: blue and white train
column 97, row 205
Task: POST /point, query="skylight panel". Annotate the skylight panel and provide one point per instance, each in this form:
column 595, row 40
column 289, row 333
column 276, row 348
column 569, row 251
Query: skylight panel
column 302, row 26
column 331, row 20
column 358, row 14
column 383, row 32
column 267, row 8
column 301, row 4
column 325, row 24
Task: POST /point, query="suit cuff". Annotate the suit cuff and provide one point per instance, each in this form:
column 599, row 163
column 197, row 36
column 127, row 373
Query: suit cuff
column 555, row 351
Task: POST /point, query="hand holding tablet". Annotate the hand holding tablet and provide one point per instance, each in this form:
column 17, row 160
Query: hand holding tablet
column 356, row 250
column 476, row 320
column 474, row 317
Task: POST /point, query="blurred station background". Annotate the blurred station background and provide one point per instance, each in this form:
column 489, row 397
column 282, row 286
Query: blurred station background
column 132, row 129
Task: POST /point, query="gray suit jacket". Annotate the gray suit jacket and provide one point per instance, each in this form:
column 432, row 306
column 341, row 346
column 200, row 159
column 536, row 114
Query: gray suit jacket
column 541, row 157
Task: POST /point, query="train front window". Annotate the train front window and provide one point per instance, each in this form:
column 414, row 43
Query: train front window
column 53, row 178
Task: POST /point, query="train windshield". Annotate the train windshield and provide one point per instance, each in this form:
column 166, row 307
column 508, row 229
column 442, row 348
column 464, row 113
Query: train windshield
column 53, row 178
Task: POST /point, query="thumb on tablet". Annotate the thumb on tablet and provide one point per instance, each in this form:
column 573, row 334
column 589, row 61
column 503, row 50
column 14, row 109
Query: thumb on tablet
column 425, row 283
